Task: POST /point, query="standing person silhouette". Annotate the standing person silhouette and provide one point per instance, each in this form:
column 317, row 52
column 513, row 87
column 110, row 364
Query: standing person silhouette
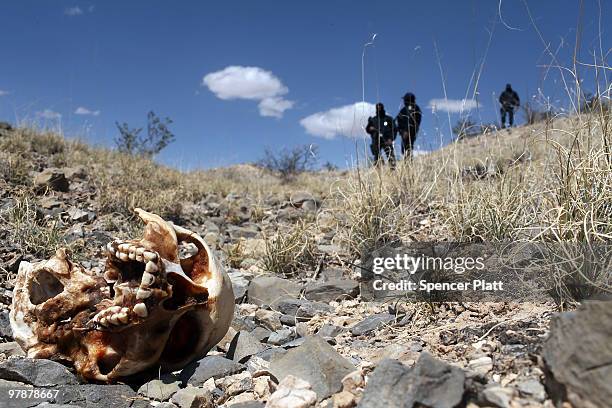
column 509, row 101
column 382, row 130
column 407, row 122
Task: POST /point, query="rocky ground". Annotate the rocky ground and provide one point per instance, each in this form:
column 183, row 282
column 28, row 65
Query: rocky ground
column 307, row 339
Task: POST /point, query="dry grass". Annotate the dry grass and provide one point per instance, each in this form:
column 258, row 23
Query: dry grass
column 549, row 182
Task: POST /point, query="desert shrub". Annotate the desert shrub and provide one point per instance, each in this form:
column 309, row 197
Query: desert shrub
column 292, row 251
column 158, row 136
column 289, row 162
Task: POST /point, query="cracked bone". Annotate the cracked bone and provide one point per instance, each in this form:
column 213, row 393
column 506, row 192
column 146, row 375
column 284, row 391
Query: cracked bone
column 104, row 326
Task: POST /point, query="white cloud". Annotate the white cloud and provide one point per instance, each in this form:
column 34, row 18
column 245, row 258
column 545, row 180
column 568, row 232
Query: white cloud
column 252, row 83
column 73, row 11
column 49, row 114
column 348, row 120
column 274, row 106
column 452, row 105
column 4, row 93
column 81, row 110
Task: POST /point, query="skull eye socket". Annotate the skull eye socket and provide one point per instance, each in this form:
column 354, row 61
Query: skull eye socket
column 44, row 287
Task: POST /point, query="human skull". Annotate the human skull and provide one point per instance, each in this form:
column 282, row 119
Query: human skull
column 153, row 305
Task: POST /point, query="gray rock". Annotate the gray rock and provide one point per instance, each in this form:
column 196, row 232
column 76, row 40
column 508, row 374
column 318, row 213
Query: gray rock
column 76, row 172
column 272, row 353
column 577, row 355
column 76, row 214
column 431, row 383
column 236, row 232
column 215, row 367
column 301, row 308
column 316, row 362
column 281, row 337
column 304, row 200
column 496, row 396
column 244, row 345
column 51, row 178
column 333, row 289
column 247, row 404
column 160, row 389
column 97, row 395
column 532, row 388
column 75, row 233
column 261, row 333
column 5, row 325
column 38, row 372
column 268, row 290
column 371, row 323
column 240, row 284
column 165, row 404
column 295, row 343
column 269, row 318
column 193, row 397
column 330, row 331
column 11, row 349
column 48, row 405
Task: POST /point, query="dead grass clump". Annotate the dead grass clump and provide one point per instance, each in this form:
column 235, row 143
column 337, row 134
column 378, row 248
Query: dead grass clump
column 29, row 231
column 132, row 182
column 291, row 252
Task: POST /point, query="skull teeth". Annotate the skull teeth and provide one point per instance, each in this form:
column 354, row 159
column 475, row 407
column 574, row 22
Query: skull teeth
column 141, row 310
column 147, row 279
column 150, row 256
column 143, row 293
column 151, row 267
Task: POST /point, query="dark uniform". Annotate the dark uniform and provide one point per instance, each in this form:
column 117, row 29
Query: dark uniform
column 407, row 122
column 509, row 101
column 382, row 131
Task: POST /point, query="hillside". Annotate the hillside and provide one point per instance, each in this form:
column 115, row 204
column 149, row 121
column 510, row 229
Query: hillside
column 548, row 183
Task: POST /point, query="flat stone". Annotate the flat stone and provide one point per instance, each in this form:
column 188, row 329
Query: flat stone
column 268, row 290
column 316, row 362
column 281, row 337
column 247, row 404
column 97, row 395
column 38, row 372
column 76, row 172
column 244, row 345
column 11, row 348
column 331, row 290
column 330, row 331
column 269, row 319
column 577, row 355
column 261, row 333
column 495, row 396
column 160, row 389
column 371, row 323
column 292, row 392
column 51, row 178
column 301, row 308
column 532, row 388
column 76, row 214
column 192, row 397
column 481, row 365
column 198, row 372
column 431, row 383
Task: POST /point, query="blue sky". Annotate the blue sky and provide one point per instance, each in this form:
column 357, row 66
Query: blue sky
column 240, row 77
